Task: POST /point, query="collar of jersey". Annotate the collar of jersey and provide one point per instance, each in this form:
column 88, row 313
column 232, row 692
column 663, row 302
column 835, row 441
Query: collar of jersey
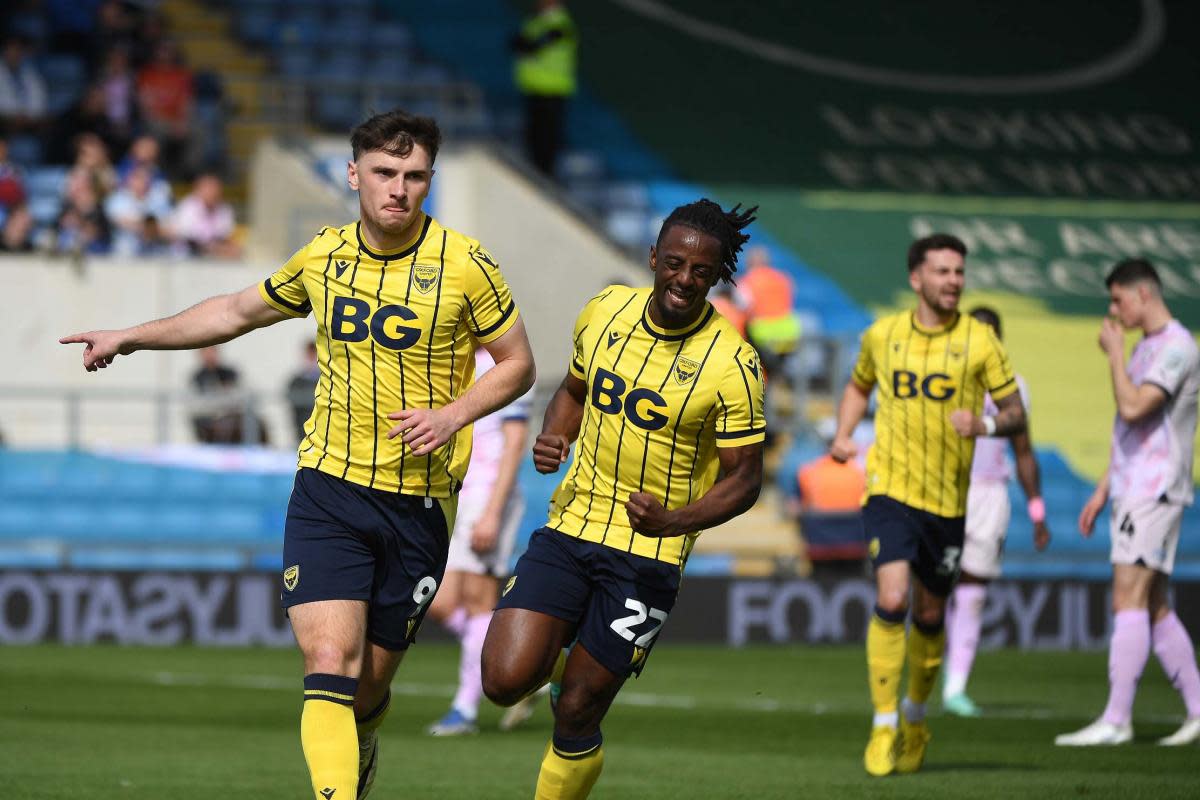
column 406, row 250
column 673, row 334
column 936, row 331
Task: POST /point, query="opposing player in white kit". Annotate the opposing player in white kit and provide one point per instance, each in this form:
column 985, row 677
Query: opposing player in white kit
column 988, row 514
column 490, row 506
column 1149, row 480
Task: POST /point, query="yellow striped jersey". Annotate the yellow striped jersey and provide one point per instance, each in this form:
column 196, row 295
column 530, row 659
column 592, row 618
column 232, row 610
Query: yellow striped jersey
column 659, row 403
column 922, row 375
column 395, row 330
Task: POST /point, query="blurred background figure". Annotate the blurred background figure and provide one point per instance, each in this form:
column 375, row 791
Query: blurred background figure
column 773, row 325
column 137, row 215
column 22, row 89
column 16, row 235
column 81, row 225
column 827, row 506
column 222, row 413
column 12, row 183
column 301, row 387
column 166, row 98
column 730, row 305
column 203, row 222
column 546, row 53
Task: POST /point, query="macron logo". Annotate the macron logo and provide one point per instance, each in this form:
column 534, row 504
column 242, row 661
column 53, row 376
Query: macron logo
column 340, row 267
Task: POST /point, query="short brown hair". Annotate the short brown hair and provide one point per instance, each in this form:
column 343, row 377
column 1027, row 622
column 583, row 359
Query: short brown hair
column 396, row 132
column 935, row 241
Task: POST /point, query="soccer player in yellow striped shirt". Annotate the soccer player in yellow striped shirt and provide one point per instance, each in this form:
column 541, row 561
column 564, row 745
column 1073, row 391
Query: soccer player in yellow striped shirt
column 931, row 367
column 400, row 304
column 663, row 400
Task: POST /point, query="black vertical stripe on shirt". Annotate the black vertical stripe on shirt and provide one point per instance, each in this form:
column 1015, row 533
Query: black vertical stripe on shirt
column 483, row 269
column 375, row 384
column 885, row 409
column 746, row 383
column 349, row 414
column 400, row 361
column 964, row 474
column 429, row 350
column 328, row 353
column 903, row 408
column 924, row 421
column 678, row 420
column 587, row 373
column 942, row 427
column 724, row 413
column 661, row 387
column 455, row 388
column 599, row 435
column 620, row 436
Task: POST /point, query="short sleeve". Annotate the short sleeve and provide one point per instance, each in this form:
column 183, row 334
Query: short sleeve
column 1171, row 366
column 578, row 365
column 740, row 419
column 998, row 377
column 864, row 367
column 490, row 307
column 284, row 291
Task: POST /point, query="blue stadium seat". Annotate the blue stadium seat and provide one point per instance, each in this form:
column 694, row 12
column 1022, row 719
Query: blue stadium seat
column 390, row 36
column 189, row 485
column 342, row 65
column 257, row 25
column 48, row 180
column 296, row 62
column 25, row 150
column 337, row 109
column 21, row 520
column 44, row 208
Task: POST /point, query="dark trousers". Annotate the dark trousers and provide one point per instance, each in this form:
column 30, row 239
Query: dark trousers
column 545, row 118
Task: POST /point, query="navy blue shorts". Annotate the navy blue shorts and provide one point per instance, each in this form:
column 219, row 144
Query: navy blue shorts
column 343, row 541
column 617, row 601
column 932, row 544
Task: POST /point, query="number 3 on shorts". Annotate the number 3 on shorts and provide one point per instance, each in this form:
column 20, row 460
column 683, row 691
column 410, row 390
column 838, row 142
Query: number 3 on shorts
column 640, row 614
column 950, row 558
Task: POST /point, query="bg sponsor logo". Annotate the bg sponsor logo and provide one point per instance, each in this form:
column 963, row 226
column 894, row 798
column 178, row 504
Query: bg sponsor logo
column 352, row 320
column 644, row 408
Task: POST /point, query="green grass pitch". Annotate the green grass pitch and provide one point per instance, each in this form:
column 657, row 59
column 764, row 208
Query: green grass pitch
column 104, row 723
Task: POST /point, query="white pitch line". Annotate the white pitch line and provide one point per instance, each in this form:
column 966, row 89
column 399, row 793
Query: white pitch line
column 766, row 705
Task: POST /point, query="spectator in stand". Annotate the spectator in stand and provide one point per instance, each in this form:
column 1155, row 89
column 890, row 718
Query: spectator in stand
column 12, row 184
column 74, row 25
column 82, row 226
column 22, row 90
column 301, row 389
column 138, row 216
column 730, row 306
column 145, row 152
column 203, row 221
column 546, row 48
column 116, row 28
column 17, row 233
column 220, row 416
column 87, row 115
column 119, row 84
column 773, row 325
column 92, row 164
column 166, row 97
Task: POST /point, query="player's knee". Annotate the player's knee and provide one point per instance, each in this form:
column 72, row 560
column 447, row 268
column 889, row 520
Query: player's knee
column 331, row 659
column 929, row 618
column 500, row 683
column 892, row 601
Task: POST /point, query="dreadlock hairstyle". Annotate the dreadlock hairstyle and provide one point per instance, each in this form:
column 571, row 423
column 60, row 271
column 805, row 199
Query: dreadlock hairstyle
column 726, row 226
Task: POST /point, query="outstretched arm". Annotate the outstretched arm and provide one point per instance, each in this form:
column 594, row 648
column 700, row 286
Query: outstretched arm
column 426, row 429
column 560, row 426
column 212, row 321
column 733, row 494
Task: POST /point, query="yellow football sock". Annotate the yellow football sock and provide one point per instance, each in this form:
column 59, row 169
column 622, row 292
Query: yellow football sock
column 328, row 736
column 560, row 666
column 925, row 648
column 885, row 661
column 570, row 768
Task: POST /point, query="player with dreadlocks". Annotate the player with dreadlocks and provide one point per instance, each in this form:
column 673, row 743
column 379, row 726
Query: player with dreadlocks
column 664, row 400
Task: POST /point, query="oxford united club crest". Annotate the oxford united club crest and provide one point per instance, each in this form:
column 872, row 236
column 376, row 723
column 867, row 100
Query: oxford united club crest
column 425, row 277
column 685, row 370
column 291, row 577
